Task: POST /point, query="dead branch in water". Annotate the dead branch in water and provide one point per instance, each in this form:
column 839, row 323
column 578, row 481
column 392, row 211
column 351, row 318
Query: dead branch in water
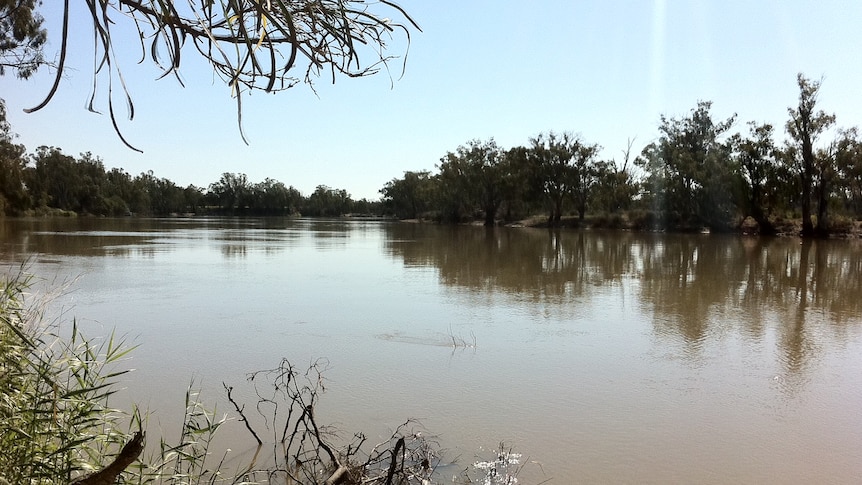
column 239, row 411
column 462, row 343
column 109, row 474
column 305, row 452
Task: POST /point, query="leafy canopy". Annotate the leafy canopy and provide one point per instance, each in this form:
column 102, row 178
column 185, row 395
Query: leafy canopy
column 267, row 45
column 21, row 37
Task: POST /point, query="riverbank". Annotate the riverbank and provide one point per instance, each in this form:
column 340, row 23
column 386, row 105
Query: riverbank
column 645, row 222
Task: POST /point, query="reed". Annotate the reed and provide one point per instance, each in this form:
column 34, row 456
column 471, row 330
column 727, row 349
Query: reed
column 57, row 425
column 56, row 421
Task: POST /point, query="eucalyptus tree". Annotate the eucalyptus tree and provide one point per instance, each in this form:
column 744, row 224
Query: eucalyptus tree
column 53, row 179
column 92, row 185
column 231, row 191
column 690, row 173
column 482, row 167
column 409, row 196
column 473, row 178
column 847, row 149
column 56, row 180
column 616, row 187
column 564, row 168
column 250, row 45
column 194, row 198
column 272, row 197
column 14, row 198
column 586, row 170
column 164, row 197
column 521, row 193
column 326, row 201
column 805, row 125
column 759, row 162
column 21, row 37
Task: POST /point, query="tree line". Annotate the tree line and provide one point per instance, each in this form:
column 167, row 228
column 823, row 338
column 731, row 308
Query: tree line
column 50, row 181
column 695, row 175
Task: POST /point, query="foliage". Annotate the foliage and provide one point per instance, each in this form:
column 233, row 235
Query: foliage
column 327, row 202
column 273, row 197
column 21, row 37
column 616, row 188
column 760, row 166
column 474, row 176
column 410, row 196
column 696, row 175
column 848, row 164
column 232, row 191
column 250, row 44
column 55, row 418
column 53, row 180
column 563, row 167
column 805, row 125
column 14, row 198
column 690, row 171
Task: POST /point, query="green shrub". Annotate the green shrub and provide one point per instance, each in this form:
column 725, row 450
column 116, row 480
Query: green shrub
column 55, row 419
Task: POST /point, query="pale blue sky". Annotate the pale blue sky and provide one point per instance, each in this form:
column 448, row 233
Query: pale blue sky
column 604, row 69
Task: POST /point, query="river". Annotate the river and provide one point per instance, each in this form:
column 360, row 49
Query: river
column 601, row 357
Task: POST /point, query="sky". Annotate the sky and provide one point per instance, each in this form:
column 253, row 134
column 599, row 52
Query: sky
column 606, row 70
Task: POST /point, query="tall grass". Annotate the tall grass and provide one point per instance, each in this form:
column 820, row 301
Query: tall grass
column 57, row 425
column 55, row 417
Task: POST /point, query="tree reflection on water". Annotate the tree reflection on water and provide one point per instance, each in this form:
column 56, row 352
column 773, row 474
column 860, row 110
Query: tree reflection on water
column 696, row 287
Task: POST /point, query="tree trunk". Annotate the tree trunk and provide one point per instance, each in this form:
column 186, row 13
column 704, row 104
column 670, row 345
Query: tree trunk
column 490, row 216
column 756, row 211
column 822, row 203
column 557, row 212
column 807, row 176
column 109, row 474
column 764, row 226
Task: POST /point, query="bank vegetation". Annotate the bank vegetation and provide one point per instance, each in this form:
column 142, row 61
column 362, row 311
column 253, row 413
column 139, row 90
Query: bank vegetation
column 59, row 423
column 700, row 173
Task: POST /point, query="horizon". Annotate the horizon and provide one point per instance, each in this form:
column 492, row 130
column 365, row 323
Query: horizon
column 607, row 72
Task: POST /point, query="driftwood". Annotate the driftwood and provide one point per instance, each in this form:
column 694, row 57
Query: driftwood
column 109, row 474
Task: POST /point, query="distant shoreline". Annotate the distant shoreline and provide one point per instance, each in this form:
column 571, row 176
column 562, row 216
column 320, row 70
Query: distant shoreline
column 784, row 228
column 788, row 228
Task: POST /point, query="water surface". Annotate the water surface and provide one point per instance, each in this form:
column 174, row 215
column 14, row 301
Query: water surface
column 602, row 357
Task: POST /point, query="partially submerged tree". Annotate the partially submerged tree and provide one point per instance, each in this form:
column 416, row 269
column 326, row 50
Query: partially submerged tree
column 251, row 45
column 689, row 167
column 564, row 168
column 758, row 162
column 477, row 169
column 805, row 125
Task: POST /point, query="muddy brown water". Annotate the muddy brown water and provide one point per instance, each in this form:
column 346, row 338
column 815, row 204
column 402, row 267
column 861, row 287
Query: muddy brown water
column 602, row 357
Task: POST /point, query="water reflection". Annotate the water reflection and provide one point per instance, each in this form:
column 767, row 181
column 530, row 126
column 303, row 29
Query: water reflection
column 697, row 288
column 682, row 275
column 667, row 354
column 132, row 237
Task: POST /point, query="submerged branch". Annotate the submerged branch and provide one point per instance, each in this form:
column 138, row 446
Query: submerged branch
column 241, row 415
column 108, row 475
